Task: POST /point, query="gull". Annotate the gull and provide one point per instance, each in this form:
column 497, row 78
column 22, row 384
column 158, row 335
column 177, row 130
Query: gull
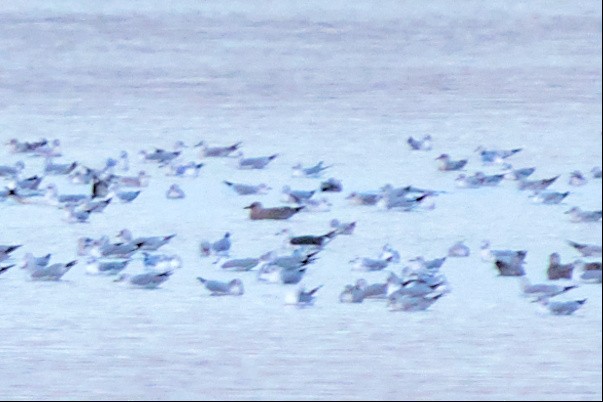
column 218, row 288
column 596, row 172
column 96, row 206
column 318, row 205
column 123, row 161
column 244, row 264
column 535, row 185
column 548, row 197
column 351, row 294
column 308, row 240
column 591, row 276
column 174, row 192
column 488, row 254
column 7, row 249
column 52, row 197
column 29, row 183
column 557, row 270
column 517, row 174
column 404, row 203
column 190, row 169
column 257, row 211
column 147, row 280
column 364, row 198
column 296, row 196
column 76, row 216
column 222, row 246
column 464, row 181
column 494, row 155
column 12, row 171
column 259, row 162
column 423, row 144
column 58, row 168
column 331, row 185
column 146, row 243
column 140, row 180
column 587, row 250
column 560, row 307
column 248, row 189
column 124, row 196
column 446, row 164
column 102, row 248
column 404, row 302
column 223, row 151
column 95, row 266
column 48, row 150
column 343, row 228
column 489, row 180
column 52, row 272
column 5, row 268
column 578, row 215
column 370, row 264
column 542, row 289
column 577, row 178
column 302, row 298
column 162, row 156
column 17, row 146
column 161, row 262
column 372, row 291
column 459, row 249
column 313, row 171
column 510, row 266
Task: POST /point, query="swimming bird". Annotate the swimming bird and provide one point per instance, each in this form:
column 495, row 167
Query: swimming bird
column 257, row 211
column 557, row 270
column 423, row 144
column 302, row 298
column 446, row 164
column 587, row 250
column 174, row 192
column 578, row 215
column 248, row 189
column 147, row 280
column 561, row 307
column 313, row 171
column 259, row 162
column 218, row 288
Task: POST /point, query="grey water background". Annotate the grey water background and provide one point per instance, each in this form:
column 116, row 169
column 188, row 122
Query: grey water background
column 346, row 82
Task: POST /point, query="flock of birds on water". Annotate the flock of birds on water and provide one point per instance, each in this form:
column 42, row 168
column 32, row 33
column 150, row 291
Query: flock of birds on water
column 420, row 283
